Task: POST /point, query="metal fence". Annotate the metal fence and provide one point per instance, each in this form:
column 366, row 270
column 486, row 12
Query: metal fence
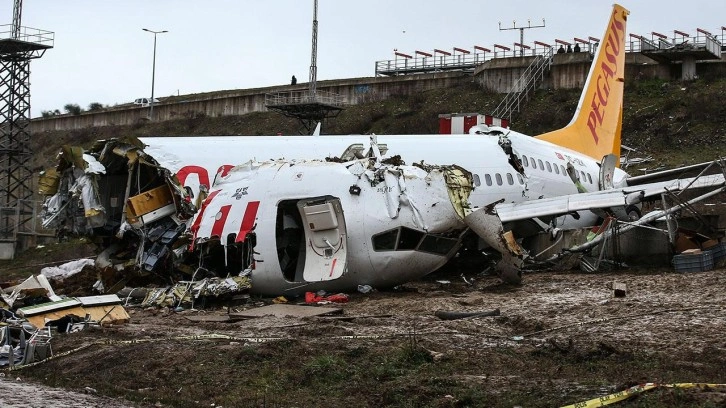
column 22, row 219
column 27, row 34
column 404, row 65
column 430, row 62
column 303, row 97
column 711, row 43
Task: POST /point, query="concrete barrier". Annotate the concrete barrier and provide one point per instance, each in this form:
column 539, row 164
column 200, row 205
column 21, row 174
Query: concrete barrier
column 569, row 71
column 240, row 102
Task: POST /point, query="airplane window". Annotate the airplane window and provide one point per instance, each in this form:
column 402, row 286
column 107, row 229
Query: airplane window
column 408, row 239
column 385, row 241
column 557, row 168
column 520, row 178
column 477, row 182
column 549, row 167
column 583, row 176
column 510, row 179
column 437, row 245
column 541, row 166
column 525, row 161
column 488, row 178
column 534, row 164
column 499, row 179
column 589, row 179
column 564, row 172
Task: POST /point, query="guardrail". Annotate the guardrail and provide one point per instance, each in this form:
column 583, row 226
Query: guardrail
column 302, row 97
column 27, row 34
column 410, row 64
column 525, row 84
column 404, row 65
column 22, row 219
column 639, row 43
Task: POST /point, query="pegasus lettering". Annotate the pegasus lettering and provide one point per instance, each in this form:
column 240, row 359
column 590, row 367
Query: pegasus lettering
column 609, row 68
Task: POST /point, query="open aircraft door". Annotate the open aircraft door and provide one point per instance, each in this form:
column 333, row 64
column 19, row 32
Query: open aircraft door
column 326, row 243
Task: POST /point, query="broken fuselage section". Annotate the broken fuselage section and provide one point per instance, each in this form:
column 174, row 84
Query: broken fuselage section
column 289, row 226
column 121, row 198
column 299, row 226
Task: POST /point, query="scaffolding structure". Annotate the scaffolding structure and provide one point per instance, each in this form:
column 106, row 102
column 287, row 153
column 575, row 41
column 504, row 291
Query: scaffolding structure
column 18, row 46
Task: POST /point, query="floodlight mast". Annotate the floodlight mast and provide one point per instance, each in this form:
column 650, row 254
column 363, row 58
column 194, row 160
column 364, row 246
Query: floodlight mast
column 153, row 72
column 521, row 32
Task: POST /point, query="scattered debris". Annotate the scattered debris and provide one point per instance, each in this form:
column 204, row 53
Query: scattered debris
column 31, row 291
column 14, row 348
column 65, row 270
column 693, row 260
column 322, row 299
column 365, row 288
column 105, row 309
column 187, row 292
column 619, row 289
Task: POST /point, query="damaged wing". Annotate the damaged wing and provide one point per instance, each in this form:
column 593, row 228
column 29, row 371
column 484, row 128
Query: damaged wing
column 617, row 197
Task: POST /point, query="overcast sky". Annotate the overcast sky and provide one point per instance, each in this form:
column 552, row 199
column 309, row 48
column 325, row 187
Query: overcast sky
column 102, row 55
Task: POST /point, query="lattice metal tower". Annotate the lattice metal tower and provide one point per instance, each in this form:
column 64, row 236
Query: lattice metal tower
column 309, row 107
column 18, row 45
column 314, row 55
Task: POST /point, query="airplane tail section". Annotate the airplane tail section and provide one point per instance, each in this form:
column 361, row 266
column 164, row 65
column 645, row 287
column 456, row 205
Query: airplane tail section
column 595, row 128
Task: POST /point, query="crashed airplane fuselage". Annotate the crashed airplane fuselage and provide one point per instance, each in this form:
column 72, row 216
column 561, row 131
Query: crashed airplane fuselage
column 290, row 226
column 310, row 225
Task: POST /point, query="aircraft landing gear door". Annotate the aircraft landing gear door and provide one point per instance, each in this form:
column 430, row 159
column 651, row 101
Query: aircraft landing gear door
column 325, row 237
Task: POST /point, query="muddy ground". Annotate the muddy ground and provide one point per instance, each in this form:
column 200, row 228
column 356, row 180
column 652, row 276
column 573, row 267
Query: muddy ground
column 561, row 338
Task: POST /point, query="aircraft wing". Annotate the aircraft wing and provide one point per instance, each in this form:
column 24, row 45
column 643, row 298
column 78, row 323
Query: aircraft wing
column 616, row 197
column 678, row 172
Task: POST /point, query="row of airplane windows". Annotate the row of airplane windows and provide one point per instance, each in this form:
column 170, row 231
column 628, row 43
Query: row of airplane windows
column 557, row 169
column 535, row 164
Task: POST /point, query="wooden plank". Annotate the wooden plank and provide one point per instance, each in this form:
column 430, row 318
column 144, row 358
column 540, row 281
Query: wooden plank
column 40, row 319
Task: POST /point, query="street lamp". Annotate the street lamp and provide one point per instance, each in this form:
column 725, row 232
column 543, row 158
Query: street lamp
column 153, row 72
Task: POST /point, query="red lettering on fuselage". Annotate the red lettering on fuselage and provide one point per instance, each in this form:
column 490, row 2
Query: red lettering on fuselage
column 224, row 169
column 201, row 173
column 602, row 85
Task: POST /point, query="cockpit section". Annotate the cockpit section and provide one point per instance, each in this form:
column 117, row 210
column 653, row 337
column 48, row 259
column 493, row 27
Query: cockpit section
column 408, row 239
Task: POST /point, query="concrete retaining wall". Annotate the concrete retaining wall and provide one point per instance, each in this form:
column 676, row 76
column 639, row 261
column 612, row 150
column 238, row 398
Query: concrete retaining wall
column 240, row 102
column 569, row 71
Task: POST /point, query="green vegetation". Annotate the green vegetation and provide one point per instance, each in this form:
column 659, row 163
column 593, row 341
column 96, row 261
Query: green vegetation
column 73, row 108
column 48, row 113
column 95, row 106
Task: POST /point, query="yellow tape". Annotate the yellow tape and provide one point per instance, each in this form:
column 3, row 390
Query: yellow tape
column 627, row 393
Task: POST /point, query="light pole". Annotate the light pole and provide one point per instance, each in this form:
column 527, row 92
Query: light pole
column 153, row 72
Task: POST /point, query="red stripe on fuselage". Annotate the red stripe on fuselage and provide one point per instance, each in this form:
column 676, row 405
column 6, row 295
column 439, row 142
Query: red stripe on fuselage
column 248, row 222
column 198, row 221
column 219, row 221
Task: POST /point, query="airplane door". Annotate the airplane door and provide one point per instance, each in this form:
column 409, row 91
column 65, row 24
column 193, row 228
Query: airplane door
column 325, row 237
column 607, row 170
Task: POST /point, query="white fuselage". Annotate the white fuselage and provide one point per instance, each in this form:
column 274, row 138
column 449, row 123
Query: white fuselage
column 480, row 154
column 198, row 159
column 396, row 227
